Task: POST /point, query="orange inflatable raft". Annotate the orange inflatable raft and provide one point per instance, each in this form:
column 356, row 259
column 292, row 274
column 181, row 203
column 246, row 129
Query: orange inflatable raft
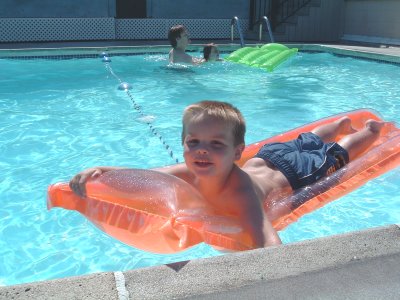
column 160, row 213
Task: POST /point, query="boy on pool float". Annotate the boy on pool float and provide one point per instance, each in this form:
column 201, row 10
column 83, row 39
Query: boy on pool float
column 213, row 139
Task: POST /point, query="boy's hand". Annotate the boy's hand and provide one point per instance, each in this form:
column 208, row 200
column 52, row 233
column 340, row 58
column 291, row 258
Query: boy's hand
column 78, row 182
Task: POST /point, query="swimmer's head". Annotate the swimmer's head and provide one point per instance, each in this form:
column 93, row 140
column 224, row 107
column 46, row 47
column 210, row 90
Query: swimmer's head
column 177, row 32
column 210, row 52
column 223, row 111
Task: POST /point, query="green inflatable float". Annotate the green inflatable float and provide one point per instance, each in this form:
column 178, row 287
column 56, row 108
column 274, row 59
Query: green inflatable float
column 267, row 57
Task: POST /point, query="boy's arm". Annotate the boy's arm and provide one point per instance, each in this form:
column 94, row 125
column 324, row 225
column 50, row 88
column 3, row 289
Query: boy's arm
column 197, row 61
column 78, row 182
column 264, row 233
column 271, row 237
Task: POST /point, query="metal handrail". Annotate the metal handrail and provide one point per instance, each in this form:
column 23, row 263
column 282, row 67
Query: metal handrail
column 268, row 27
column 233, row 21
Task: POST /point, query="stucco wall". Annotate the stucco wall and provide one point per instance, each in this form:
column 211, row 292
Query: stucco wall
column 57, row 8
column 374, row 18
column 200, row 9
column 321, row 21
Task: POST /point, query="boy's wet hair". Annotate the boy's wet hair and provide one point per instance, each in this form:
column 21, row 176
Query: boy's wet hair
column 174, row 33
column 220, row 110
column 207, row 51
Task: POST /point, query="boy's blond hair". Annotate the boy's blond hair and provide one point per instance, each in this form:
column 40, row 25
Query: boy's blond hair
column 220, row 110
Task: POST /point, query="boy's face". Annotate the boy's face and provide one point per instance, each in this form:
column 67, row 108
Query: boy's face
column 209, row 149
column 183, row 40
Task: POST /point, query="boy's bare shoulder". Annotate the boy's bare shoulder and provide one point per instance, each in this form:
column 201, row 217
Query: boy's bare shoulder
column 179, row 170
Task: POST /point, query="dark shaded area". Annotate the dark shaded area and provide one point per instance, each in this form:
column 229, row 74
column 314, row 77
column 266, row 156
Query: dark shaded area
column 131, row 9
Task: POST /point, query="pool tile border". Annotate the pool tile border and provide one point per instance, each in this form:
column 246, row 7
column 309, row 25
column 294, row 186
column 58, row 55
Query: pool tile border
column 95, row 52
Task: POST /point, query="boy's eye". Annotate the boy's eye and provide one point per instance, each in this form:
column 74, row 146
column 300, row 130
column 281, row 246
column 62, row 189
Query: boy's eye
column 217, row 144
column 193, row 142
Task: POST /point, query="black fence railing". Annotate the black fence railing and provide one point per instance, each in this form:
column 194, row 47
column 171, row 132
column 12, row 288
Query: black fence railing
column 277, row 11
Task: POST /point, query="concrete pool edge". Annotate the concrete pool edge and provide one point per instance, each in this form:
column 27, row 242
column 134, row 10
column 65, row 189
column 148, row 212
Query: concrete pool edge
column 250, row 271
column 391, row 55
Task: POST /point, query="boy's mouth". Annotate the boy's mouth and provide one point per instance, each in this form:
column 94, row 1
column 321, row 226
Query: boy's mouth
column 202, row 164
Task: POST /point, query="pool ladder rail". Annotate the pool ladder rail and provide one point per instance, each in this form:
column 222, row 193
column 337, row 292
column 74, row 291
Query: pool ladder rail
column 266, row 21
column 235, row 20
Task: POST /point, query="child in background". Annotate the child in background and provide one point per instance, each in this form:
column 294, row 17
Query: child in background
column 211, row 53
column 179, row 40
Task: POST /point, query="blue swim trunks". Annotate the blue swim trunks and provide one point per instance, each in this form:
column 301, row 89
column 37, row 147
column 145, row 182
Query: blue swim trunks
column 306, row 159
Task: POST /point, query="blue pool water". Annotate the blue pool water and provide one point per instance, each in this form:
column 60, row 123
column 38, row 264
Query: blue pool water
column 58, row 117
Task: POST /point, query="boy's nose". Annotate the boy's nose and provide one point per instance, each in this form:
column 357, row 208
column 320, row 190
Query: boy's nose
column 202, row 150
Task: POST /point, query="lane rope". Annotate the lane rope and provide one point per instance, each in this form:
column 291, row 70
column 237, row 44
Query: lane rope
column 124, row 86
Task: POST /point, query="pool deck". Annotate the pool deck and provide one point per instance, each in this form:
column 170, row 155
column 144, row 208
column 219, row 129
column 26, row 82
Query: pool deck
column 357, row 265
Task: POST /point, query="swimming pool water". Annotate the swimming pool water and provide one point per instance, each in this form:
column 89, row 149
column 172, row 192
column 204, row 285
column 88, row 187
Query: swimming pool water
column 60, row 116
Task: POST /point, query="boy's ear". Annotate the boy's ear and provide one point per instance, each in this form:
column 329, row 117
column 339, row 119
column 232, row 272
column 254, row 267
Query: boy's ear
column 238, row 151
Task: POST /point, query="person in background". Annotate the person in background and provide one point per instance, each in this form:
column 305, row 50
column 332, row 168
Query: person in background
column 179, row 40
column 211, row 53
